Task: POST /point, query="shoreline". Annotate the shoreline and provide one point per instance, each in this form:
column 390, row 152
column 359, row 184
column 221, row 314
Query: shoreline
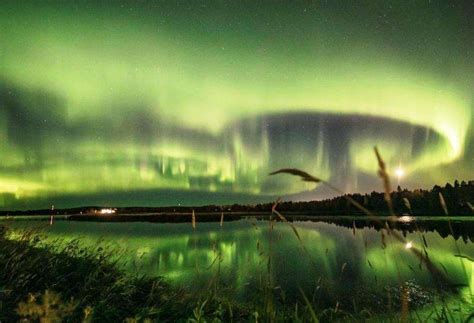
column 186, row 217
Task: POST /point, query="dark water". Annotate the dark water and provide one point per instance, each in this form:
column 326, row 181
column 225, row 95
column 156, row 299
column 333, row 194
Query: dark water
column 339, row 261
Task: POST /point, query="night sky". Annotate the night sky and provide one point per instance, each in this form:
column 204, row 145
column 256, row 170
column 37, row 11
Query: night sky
column 132, row 103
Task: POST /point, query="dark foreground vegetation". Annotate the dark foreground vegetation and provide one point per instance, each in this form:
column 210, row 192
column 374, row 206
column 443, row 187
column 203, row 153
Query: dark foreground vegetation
column 39, row 281
column 459, row 199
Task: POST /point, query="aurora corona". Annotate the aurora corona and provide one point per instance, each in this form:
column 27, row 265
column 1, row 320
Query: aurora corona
column 207, row 97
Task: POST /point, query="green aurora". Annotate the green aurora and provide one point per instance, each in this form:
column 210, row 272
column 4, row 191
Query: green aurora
column 151, row 103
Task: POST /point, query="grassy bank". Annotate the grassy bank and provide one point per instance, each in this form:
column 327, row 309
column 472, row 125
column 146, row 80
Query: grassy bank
column 77, row 284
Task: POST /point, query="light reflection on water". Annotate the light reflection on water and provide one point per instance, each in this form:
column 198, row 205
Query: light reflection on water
column 337, row 262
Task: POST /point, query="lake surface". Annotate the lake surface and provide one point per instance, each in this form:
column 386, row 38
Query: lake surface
column 339, row 262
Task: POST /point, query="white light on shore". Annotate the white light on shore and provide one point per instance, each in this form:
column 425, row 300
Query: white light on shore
column 107, row 211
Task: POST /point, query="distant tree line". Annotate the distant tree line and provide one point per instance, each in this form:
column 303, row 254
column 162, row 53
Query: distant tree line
column 458, row 197
column 459, row 200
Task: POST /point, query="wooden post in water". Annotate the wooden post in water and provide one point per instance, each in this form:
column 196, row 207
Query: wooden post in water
column 222, row 218
column 194, row 220
column 51, row 218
